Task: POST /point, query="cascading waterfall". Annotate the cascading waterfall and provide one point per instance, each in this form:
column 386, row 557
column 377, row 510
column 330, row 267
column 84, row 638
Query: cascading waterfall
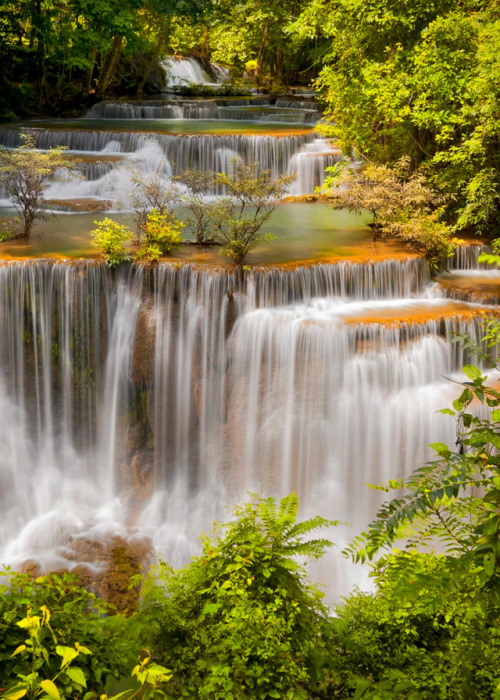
column 167, row 153
column 309, row 165
column 175, row 109
column 185, row 70
column 203, row 109
column 141, row 402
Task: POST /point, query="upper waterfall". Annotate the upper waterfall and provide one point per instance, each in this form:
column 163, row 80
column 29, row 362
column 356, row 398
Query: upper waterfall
column 185, row 70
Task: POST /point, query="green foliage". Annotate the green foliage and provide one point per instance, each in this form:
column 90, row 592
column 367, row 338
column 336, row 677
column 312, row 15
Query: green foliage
column 149, row 192
column 198, row 90
column 416, row 636
column 161, row 233
column 110, row 237
column 492, row 258
column 456, row 498
column 400, row 202
column 416, row 79
column 70, row 679
column 242, row 621
column 199, row 218
column 237, row 219
column 61, row 616
column 26, row 174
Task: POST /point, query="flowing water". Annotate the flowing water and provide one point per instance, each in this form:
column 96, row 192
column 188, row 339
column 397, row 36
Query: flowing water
column 139, row 403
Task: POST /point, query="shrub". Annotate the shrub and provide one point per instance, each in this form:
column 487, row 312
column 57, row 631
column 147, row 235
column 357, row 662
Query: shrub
column 149, row 192
column 200, row 216
column 110, row 237
column 75, row 615
column 253, row 195
column 400, row 203
column 242, row 621
column 161, row 233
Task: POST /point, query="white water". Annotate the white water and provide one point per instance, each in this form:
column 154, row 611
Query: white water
column 304, row 154
column 184, row 71
column 140, row 406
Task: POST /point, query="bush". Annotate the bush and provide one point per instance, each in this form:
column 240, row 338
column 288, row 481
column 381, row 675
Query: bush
column 75, row 616
column 110, row 237
column 253, row 195
column 161, row 233
column 433, row 628
column 416, row 637
column 400, row 202
column 200, row 215
column 148, row 193
column 242, row 621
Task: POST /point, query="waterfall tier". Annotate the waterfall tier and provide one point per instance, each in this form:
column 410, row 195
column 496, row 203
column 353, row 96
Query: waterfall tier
column 140, row 402
column 173, row 153
column 246, row 110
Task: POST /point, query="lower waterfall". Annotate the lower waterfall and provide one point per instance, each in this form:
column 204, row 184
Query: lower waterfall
column 141, row 402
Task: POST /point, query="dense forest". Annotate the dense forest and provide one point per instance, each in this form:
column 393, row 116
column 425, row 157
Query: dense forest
column 411, row 79
column 411, row 95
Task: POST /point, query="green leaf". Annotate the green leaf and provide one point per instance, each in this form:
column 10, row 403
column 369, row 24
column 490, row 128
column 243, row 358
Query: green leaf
column 440, row 447
column 447, row 411
column 51, row 689
column 472, row 372
column 76, row 675
column 67, row 653
column 495, row 415
column 14, row 693
column 19, row 649
column 489, row 563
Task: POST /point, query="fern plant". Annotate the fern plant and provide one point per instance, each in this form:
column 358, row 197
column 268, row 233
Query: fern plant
column 242, row 620
column 454, row 499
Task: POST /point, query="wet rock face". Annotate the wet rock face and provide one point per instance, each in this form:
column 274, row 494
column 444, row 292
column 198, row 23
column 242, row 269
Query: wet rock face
column 144, row 346
column 106, row 568
column 82, row 205
column 119, row 560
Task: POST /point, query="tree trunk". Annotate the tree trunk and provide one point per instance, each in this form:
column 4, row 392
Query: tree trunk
column 279, row 64
column 87, row 81
column 205, row 48
column 260, row 57
column 109, row 67
column 162, row 38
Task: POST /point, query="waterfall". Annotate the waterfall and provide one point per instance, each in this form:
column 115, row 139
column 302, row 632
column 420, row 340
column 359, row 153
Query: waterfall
column 140, row 402
column 184, row 71
column 465, row 257
column 175, row 109
column 202, row 109
column 302, row 154
column 309, row 165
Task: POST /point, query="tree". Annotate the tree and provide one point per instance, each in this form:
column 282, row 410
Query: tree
column 242, row 621
column 200, row 217
column 150, row 192
column 416, row 79
column 26, row 175
column 400, row 202
column 237, row 219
